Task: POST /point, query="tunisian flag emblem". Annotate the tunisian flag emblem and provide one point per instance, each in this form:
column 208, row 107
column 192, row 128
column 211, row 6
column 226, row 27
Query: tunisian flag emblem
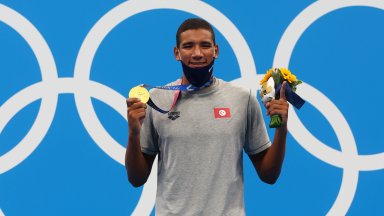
column 222, row 112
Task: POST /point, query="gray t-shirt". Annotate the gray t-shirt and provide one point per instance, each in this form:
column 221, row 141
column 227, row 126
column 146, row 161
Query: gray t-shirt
column 199, row 146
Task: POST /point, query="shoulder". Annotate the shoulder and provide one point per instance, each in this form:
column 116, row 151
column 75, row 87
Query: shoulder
column 232, row 88
column 239, row 94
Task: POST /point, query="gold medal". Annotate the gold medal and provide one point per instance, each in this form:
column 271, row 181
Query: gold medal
column 139, row 92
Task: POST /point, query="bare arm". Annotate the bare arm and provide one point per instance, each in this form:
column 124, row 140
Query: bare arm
column 137, row 164
column 268, row 163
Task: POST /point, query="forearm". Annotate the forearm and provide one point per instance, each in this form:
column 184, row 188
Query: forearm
column 274, row 157
column 136, row 164
column 269, row 162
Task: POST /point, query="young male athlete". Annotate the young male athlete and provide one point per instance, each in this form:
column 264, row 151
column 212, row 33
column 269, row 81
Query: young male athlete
column 199, row 145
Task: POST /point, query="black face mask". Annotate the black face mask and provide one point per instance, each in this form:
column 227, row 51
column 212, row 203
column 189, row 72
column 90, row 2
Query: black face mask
column 198, row 76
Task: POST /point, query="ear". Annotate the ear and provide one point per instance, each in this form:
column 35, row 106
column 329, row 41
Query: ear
column 176, row 53
column 216, row 51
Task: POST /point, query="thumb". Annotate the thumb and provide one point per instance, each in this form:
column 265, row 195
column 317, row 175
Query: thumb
column 282, row 91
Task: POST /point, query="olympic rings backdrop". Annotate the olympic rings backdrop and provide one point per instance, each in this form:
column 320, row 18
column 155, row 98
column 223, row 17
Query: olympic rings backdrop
column 67, row 66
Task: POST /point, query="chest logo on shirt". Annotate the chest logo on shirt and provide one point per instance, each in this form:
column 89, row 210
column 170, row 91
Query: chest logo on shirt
column 173, row 115
column 222, row 112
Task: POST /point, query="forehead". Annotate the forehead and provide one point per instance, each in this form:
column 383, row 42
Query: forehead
column 196, row 35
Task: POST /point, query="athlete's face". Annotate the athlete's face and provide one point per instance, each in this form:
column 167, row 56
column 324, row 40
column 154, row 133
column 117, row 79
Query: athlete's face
column 197, row 48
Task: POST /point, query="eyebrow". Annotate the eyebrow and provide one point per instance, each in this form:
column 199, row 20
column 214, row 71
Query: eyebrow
column 207, row 43
column 202, row 42
column 187, row 43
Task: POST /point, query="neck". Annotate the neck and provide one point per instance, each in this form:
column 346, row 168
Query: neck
column 184, row 80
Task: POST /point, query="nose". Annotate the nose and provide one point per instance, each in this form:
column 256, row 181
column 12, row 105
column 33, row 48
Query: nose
column 197, row 53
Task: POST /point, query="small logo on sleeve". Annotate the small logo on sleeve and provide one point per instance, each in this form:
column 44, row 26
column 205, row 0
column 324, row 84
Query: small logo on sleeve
column 222, row 112
column 173, row 115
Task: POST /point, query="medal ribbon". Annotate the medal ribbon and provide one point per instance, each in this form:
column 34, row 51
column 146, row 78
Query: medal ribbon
column 186, row 87
column 177, row 88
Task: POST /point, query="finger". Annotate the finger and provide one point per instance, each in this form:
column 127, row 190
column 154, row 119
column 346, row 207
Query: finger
column 281, row 113
column 282, row 108
column 137, row 105
column 133, row 113
column 131, row 101
column 136, row 114
column 282, row 91
column 266, row 104
column 140, row 114
column 280, row 103
column 278, row 106
column 279, row 109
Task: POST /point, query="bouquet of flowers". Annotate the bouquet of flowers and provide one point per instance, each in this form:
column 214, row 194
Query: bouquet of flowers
column 270, row 89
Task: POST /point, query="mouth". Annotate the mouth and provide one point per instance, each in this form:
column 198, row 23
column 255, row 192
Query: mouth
column 197, row 64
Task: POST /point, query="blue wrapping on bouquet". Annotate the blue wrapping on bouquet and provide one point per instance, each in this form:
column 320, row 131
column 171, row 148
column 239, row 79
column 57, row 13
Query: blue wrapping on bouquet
column 292, row 98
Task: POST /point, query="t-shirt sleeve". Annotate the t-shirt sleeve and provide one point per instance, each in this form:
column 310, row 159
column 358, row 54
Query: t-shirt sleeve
column 256, row 139
column 148, row 135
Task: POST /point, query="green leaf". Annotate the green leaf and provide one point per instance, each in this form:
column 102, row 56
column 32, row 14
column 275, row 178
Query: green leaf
column 277, row 77
column 275, row 121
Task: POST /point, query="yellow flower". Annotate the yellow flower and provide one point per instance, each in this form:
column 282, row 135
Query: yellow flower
column 285, row 72
column 292, row 78
column 287, row 75
column 266, row 77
